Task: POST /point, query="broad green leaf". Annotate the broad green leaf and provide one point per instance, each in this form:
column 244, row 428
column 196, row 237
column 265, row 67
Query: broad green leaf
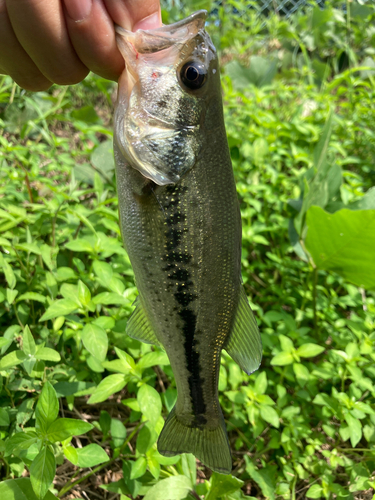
column 265, row 478
column 147, row 436
column 355, row 429
column 20, row 489
column 42, row 471
column 125, row 358
column 270, row 415
column 63, row 428
column 102, row 157
column 95, row 340
column 4, row 417
column 84, row 294
column 71, row 454
column 302, row 373
column 152, row 359
column 20, row 441
column 103, row 270
column 28, row 343
column 12, row 359
column 61, row 307
column 138, row 468
column 343, row 242
column 9, row 274
column 260, row 385
column 79, row 245
column 32, row 296
column 47, row 354
column 108, row 386
column 91, row 455
column 189, row 466
column 309, row 350
column 110, row 298
column 223, row 485
column 172, row 488
column 149, row 403
column 315, row 491
column 282, row 359
column 118, row 432
column 47, row 408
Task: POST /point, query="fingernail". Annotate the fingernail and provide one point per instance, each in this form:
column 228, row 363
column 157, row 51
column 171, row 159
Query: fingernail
column 78, row 10
column 149, row 23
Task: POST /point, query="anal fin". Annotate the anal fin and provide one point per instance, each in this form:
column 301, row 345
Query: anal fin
column 139, row 326
column 244, row 344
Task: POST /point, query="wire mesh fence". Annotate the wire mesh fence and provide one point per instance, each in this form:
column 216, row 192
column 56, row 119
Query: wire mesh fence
column 285, row 7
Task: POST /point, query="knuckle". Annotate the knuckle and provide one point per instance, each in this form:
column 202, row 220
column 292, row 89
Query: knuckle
column 69, row 78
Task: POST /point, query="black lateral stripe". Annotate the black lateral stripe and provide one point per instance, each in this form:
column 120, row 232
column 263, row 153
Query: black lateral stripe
column 182, row 285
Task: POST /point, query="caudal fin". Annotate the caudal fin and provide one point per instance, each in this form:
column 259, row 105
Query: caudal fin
column 210, row 446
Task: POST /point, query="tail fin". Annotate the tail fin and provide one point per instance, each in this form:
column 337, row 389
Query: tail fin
column 210, row 446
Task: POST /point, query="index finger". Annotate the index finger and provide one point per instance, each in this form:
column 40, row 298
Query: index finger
column 91, row 30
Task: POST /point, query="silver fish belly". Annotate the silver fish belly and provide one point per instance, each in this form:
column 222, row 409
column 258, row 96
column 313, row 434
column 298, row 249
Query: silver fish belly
column 181, row 226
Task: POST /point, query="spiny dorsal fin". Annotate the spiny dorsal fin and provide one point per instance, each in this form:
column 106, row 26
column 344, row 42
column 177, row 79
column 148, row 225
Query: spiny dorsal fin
column 244, row 344
column 139, row 327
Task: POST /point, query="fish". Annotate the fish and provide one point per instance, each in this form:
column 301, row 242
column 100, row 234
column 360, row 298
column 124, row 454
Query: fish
column 181, row 226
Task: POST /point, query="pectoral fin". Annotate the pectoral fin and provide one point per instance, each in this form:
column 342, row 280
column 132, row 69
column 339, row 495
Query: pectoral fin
column 139, row 326
column 244, row 344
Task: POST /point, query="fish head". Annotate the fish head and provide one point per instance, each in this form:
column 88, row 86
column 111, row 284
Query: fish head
column 171, row 75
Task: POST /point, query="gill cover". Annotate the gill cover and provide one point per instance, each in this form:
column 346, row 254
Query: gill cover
column 163, row 95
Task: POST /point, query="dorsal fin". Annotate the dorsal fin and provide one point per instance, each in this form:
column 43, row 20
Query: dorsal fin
column 244, row 344
column 139, row 326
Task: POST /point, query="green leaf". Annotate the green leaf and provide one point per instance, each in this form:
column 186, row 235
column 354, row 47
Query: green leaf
column 91, row 455
column 61, row 307
column 32, row 296
column 20, row 489
column 355, row 429
column 172, row 488
column 80, row 245
column 9, row 274
column 42, row 471
column 63, row 428
column 282, row 359
column 320, row 151
column 102, row 157
column 118, row 432
column 47, row 408
column 20, row 441
column 28, row 343
column 343, row 242
column 309, row 350
column 265, row 478
column 138, row 468
column 152, row 359
column 71, row 454
column 302, row 373
column 270, row 415
column 84, row 294
column 149, row 403
column 107, row 387
column 47, row 354
column 315, row 491
column 12, row 359
column 95, row 340
column 4, row 417
column 103, row 270
column 110, row 298
column 223, row 485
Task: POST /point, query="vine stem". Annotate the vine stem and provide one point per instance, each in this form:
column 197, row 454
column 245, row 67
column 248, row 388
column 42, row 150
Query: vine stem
column 315, row 280
column 71, row 485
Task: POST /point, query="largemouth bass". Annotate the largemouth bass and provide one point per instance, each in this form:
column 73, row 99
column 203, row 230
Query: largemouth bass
column 181, row 226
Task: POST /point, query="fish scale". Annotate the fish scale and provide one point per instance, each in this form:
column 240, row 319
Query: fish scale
column 183, row 233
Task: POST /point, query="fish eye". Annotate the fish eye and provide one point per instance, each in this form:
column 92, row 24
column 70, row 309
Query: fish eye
column 193, row 75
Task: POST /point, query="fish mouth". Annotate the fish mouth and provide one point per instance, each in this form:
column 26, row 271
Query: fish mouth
column 155, row 40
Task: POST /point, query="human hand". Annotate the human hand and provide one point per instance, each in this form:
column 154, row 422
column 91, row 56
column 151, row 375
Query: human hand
column 59, row 41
